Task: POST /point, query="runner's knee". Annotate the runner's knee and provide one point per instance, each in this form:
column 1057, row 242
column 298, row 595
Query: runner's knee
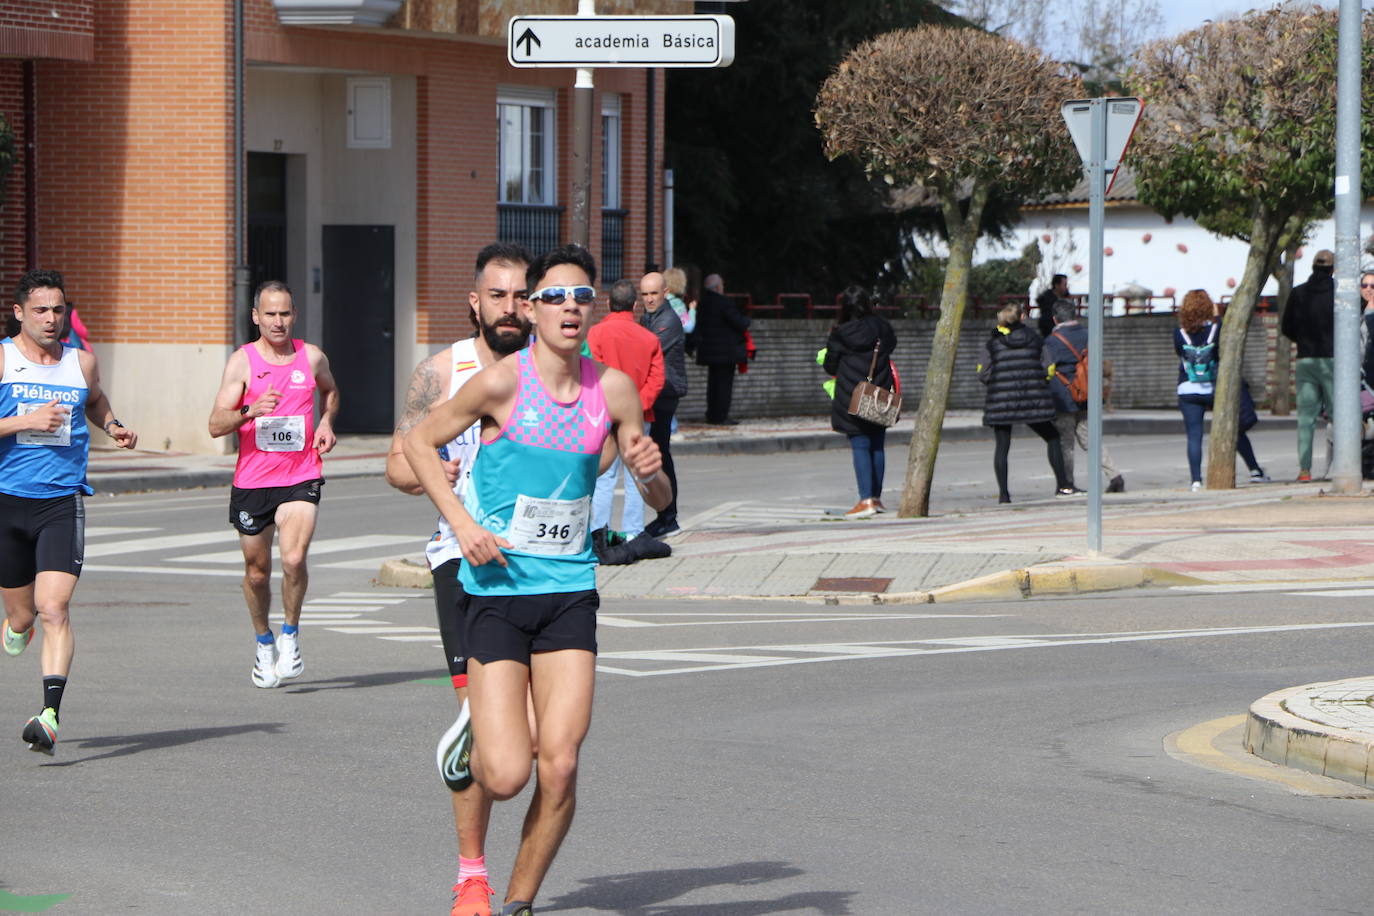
column 558, row 771
column 504, row 779
column 293, row 563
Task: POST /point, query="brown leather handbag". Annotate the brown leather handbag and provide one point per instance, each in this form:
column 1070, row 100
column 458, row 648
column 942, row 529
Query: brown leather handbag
column 873, row 402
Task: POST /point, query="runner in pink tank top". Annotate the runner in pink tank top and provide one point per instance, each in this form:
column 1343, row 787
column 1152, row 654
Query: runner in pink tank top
column 267, row 396
column 275, row 449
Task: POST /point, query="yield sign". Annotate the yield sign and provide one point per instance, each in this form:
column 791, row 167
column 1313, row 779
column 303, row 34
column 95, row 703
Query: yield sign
column 1123, row 114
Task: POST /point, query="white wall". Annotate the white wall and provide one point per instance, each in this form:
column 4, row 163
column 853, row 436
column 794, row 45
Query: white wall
column 1209, row 262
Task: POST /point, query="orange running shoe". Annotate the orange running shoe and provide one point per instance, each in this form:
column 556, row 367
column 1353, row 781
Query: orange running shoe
column 470, row 897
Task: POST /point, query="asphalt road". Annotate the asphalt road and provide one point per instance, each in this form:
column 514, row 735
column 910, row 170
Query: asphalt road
column 746, row 758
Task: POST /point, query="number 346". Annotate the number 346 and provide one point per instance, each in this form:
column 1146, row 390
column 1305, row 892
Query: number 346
column 558, row 532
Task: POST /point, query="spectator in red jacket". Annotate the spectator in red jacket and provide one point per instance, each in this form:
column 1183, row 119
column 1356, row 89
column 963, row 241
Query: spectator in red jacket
column 620, row 342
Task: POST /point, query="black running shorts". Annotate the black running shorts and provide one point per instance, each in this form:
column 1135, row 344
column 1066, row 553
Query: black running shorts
column 40, row 535
column 513, row 627
column 450, row 602
column 252, row 510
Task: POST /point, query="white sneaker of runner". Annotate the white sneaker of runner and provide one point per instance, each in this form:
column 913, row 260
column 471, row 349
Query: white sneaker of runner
column 265, row 668
column 289, row 662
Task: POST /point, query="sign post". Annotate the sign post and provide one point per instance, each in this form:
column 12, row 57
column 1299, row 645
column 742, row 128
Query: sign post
column 1100, row 128
column 587, row 41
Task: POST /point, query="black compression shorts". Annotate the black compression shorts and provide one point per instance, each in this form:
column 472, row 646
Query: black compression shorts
column 252, row 510
column 513, row 627
column 40, row 535
column 450, row 602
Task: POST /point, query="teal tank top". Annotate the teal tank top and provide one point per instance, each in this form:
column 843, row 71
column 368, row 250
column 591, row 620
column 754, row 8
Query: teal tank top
column 533, row 484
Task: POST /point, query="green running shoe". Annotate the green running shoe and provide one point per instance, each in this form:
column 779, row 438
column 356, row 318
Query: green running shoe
column 454, row 753
column 16, row 643
column 41, row 731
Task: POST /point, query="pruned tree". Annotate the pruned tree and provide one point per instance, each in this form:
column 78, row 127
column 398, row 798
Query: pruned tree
column 969, row 116
column 1239, row 134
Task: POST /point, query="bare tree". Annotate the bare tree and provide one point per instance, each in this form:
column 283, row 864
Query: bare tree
column 968, row 116
column 1097, row 36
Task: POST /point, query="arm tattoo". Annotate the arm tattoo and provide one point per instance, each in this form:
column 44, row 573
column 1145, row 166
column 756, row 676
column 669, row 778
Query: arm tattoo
column 423, row 392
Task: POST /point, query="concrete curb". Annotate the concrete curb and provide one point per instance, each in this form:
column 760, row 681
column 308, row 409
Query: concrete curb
column 404, row 573
column 1050, row 579
column 1276, row 735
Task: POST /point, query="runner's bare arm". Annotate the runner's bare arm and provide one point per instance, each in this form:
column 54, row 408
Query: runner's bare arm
column 426, row 389
column 485, row 394
column 637, row 450
column 226, row 416
column 98, row 409
column 329, row 399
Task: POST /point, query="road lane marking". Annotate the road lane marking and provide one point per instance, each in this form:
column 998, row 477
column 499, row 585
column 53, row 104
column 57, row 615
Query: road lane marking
column 105, row 531
column 379, row 630
column 317, row 548
column 168, row 542
column 1217, row 745
column 168, row 570
column 812, row 653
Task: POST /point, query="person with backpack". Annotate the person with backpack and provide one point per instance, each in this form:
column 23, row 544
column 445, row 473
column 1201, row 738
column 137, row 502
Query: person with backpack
column 1196, row 341
column 1066, row 358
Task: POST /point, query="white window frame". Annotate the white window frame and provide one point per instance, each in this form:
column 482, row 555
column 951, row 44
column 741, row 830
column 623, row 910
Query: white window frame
column 612, row 162
column 528, row 98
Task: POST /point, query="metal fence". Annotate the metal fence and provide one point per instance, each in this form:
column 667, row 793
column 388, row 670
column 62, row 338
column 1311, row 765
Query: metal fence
column 612, row 245
column 535, row 227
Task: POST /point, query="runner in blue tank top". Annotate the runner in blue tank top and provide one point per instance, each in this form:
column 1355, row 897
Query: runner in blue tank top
column 48, row 393
column 529, row 570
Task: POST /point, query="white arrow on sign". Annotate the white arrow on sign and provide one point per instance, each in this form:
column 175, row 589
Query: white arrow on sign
column 1123, row 114
column 620, row 41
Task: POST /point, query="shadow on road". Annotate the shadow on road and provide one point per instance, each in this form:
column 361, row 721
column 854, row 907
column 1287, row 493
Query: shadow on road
column 124, row 745
column 647, row 893
column 375, row 679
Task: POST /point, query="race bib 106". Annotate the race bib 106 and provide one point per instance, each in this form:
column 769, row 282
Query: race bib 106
column 280, row 434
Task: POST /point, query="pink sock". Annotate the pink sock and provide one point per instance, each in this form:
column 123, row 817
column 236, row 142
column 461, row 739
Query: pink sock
column 472, row 868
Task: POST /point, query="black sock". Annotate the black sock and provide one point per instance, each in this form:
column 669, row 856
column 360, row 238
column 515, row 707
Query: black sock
column 52, row 691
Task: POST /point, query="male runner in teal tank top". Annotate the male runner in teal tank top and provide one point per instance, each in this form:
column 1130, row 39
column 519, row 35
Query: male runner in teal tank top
column 529, row 570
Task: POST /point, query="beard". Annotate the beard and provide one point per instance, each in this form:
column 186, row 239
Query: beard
column 505, row 344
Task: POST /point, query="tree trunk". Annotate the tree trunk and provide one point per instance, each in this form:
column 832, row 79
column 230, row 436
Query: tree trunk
column 930, row 418
column 1281, row 382
column 1259, row 264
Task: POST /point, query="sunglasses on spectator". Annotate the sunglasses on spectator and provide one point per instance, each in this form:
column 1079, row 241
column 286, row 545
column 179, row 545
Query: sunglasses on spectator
column 557, row 295
column 1367, row 286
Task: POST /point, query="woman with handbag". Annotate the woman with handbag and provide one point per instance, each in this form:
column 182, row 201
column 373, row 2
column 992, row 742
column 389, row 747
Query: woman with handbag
column 860, row 348
column 1019, row 392
column 1197, row 343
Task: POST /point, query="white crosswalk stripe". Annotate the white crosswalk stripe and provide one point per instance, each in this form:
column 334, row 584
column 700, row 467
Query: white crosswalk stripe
column 160, row 553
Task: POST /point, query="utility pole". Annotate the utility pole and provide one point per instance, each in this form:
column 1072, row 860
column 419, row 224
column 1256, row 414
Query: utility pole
column 1346, row 474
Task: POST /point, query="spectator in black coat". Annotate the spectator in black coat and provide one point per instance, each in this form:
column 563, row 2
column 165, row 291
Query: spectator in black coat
column 1019, row 393
column 1308, row 321
column 720, row 347
column 848, row 355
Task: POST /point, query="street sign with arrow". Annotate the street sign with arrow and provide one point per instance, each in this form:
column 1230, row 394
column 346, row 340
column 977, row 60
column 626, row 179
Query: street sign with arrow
column 620, row 41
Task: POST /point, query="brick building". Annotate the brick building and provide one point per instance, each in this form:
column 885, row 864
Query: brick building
column 384, row 141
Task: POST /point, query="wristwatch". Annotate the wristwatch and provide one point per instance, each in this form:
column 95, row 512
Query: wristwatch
column 107, row 426
column 243, row 411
